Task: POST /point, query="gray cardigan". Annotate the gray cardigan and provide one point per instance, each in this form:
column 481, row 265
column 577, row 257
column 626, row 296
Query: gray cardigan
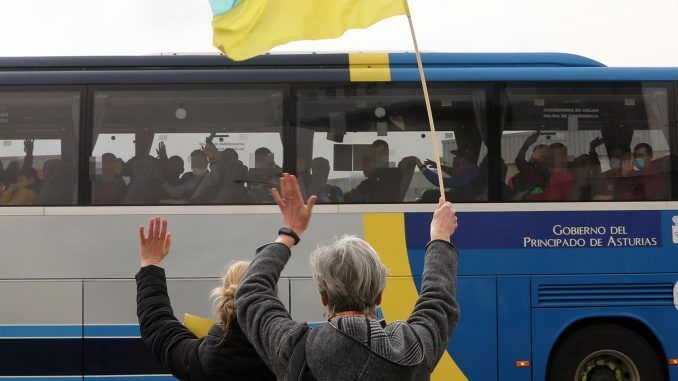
column 352, row 348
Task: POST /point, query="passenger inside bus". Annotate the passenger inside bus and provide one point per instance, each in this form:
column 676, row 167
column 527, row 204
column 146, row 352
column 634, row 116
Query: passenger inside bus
column 560, row 182
column 582, row 175
column 143, row 171
column 10, row 174
column 263, row 176
column 172, row 167
column 24, row 191
column 20, row 182
column 58, row 183
column 549, row 175
column 217, row 177
column 631, row 177
column 231, row 188
column 381, row 184
column 648, row 172
column 533, row 174
column 381, row 153
column 109, row 187
column 182, row 193
column 320, row 172
column 460, row 179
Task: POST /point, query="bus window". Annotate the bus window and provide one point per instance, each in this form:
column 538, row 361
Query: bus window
column 370, row 143
column 596, row 142
column 180, row 146
column 38, row 147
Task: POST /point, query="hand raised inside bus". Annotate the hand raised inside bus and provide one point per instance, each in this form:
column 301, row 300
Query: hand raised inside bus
column 595, row 143
column 162, row 151
column 156, row 245
column 532, row 138
column 296, row 214
column 444, row 222
column 29, row 144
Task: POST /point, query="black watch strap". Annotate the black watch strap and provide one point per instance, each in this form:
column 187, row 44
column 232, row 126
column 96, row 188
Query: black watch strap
column 289, row 232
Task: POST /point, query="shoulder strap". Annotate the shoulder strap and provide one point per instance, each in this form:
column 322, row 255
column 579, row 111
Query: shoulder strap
column 296, row 368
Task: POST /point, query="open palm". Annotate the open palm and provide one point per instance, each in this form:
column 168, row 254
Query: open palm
column 156, row 245
column 296, row 213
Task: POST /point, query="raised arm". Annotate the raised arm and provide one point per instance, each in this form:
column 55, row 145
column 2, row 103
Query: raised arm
column 172, row 344
column 437, row 312
column 261, row 315
column 593, row 155
column 29, row 145
column 521, row 161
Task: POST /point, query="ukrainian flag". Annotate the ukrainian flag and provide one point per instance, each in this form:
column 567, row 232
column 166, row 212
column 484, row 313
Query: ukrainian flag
column 247, row 28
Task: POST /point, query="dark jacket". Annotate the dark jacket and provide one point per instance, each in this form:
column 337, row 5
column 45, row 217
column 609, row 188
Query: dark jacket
column 352, row 348
column 215, row 357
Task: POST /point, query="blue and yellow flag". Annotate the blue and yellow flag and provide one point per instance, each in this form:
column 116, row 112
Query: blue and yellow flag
column 199, row 326
column 247, row 28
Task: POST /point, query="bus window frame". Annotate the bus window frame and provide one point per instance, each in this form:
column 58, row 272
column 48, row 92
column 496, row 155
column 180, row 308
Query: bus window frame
column 82, row 90
column 673, row 138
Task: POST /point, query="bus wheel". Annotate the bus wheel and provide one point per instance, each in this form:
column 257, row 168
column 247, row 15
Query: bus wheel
column 605, row 353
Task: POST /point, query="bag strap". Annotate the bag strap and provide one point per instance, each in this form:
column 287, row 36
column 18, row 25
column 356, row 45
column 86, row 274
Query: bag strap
column 296, row 368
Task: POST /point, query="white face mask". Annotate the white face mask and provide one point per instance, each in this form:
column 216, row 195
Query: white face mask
column 615, row 163
column 199, row 172
column 640, row 163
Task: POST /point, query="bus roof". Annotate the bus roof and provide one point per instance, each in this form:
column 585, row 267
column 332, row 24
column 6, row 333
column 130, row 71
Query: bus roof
column 218, row 61
column 440, row 67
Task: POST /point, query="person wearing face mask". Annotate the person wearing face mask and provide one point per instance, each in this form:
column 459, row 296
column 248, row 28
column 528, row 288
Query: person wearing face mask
column 24, row 191
column 648, row 174
column 626, row 185
column 605, row 187
column 199, row 162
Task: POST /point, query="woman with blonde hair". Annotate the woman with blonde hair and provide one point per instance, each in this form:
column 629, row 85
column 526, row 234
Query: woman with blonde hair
column 224, row 354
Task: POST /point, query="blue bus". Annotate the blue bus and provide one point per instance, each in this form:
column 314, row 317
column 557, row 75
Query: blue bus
column 562, row 171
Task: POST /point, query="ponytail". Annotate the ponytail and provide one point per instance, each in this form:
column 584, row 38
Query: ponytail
column 224, row 296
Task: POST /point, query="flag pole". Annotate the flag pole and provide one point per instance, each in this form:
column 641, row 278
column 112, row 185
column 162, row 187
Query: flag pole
column 427, row 99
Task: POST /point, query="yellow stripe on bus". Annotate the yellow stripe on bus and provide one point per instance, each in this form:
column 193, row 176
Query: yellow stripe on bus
column 386, row 233
column 369, row 67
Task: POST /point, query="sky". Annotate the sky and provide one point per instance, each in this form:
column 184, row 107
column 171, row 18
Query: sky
column 614, row 32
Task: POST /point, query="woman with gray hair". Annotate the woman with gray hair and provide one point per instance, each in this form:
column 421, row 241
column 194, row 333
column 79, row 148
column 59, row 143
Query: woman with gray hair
column 352, row 345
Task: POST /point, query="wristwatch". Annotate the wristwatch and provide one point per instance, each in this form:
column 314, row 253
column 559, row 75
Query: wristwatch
column 289, row 232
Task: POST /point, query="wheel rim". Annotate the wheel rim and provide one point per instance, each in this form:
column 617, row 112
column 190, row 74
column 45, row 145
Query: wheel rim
column 607, row 365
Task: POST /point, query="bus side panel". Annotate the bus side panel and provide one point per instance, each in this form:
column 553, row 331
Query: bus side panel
column 513, row 316
column 41, row 329
column 473, row 345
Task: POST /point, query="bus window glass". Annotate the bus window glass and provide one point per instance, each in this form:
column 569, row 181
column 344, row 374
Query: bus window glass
column 370, row 143
column 39, row 147
column 586, row 142
column 177, row 146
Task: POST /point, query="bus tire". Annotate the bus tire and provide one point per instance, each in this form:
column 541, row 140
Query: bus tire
column 602, row 350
